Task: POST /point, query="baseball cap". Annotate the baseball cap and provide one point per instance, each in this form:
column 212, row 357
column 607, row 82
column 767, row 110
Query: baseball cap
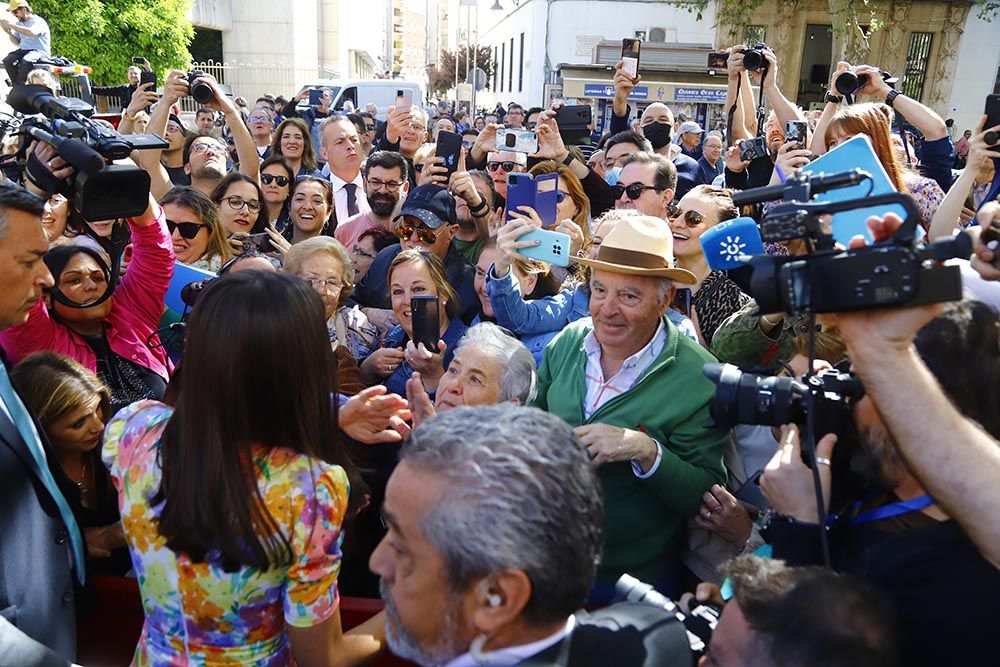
column 689, row 126
column 431, row 204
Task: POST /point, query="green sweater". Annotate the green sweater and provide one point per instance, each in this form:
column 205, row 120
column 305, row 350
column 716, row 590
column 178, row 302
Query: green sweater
column 645, row 518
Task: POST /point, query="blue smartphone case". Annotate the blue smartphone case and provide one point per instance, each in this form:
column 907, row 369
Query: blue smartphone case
column 520, row 192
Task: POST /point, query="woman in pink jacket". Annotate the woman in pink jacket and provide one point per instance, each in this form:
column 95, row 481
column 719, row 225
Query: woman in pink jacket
column 115, row 337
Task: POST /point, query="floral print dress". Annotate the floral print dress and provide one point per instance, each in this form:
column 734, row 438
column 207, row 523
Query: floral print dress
column 198, row 614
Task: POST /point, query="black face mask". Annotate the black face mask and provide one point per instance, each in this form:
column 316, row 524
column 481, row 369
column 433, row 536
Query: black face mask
column 657, row 133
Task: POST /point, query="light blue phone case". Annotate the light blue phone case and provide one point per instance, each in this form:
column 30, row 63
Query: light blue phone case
column 554, row 247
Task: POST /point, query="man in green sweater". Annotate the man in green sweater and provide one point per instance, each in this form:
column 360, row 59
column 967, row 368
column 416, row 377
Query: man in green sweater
column 633, row 388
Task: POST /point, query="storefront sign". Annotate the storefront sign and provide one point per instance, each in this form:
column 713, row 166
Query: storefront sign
column 608, row 90
column 710, row 95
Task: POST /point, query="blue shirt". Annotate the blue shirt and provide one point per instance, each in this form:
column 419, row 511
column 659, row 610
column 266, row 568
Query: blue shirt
column 41, row 41
column 396, row 337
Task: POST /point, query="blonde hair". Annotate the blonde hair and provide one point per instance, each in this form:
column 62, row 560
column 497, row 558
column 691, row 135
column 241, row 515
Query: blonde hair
column 54, row 385
column 322, row 245
column 435, row 269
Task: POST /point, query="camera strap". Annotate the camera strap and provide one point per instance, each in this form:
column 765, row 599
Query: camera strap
column 891, row 510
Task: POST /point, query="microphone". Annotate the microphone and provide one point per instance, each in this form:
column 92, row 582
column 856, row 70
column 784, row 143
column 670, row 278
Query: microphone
column 729, row 244
column 74, row 151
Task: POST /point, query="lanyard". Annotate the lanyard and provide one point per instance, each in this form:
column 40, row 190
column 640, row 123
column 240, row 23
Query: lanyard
column 892, row 509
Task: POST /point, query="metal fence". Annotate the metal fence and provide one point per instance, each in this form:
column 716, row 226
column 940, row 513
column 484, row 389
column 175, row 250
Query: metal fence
column 252, row 80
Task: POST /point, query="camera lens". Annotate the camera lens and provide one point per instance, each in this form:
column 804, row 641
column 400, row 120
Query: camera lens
column 509, row 140
column 753, row 59
column 749, row 398
column 847, row 83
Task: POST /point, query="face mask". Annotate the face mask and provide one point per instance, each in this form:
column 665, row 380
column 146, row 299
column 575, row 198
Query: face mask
column 657, row 133
column 611, row 176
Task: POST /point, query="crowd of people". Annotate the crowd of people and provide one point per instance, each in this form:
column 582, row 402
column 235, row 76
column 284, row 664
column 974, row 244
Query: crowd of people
column 291, row 436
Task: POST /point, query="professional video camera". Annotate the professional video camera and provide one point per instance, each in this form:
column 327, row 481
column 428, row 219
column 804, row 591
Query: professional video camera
column 99, row 189
column 891, row 273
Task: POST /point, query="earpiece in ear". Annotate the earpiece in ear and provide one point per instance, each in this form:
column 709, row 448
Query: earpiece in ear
column 494, row 600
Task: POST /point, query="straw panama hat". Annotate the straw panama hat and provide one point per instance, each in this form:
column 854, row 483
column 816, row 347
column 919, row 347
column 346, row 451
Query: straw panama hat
column 642, row 246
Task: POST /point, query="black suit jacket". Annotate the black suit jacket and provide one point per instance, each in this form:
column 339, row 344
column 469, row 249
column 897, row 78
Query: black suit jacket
column 36, row 580
column 627, row 634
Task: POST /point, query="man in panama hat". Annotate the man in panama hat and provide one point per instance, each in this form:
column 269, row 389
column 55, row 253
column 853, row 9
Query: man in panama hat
column 633, row 388
column 31, row 37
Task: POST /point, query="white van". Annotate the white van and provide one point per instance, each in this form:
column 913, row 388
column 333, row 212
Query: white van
column 381, row 92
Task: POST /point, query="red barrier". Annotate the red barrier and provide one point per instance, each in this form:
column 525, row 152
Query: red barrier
column 108, row 633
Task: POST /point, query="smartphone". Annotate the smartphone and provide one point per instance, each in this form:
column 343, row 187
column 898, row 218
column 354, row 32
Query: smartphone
column 718, row 60
column 259, row 242
column 682, row 301
column 449, row 147
column 573, row 122
column 554, row 247
column 147, row 77
column 138, row 60
column 315, row 95
column 630, row 56
column 404, row 99
column 547, row 198
column 519, row 141
column 992, row 114
column 795, row 130
column 520, row 192
column 426, row 321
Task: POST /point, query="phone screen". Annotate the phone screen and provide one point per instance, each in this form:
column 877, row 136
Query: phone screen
column 426, row 321
column 718, row 60
column 795, row 130
column 630, row 56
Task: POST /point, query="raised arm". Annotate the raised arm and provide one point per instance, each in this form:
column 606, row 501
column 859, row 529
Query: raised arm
column 174, row 88
column 949, row 212
column 784, row 110
column 246, row 151
column 922, row 117
column 818, row 145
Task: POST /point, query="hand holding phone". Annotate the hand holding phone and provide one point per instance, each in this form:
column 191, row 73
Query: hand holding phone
column 426, row 322
column 553, row 247
column 404, row 99
column 796, row 130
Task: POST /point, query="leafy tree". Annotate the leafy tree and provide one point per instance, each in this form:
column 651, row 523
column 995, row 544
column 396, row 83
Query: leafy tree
column 442, row 79
column 106, row 34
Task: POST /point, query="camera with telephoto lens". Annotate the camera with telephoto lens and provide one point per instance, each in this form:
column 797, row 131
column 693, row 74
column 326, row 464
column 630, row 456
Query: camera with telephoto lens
column 199, row 90
column 751, row 149
column 753, row 57
column 99, row 189
column 848, row 83
column 699, row 622
column 892, row 273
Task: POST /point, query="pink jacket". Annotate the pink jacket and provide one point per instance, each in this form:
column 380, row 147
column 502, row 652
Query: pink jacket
column 136, row 308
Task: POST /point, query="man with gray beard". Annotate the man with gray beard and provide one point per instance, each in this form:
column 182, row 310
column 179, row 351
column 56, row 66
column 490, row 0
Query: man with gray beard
column 894, row 534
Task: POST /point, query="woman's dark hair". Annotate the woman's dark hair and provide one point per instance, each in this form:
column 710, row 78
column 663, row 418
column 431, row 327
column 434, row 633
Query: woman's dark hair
column 260, row 224
column 280, row 161
column 308, row 157
column 380, row 238
column 268, row 383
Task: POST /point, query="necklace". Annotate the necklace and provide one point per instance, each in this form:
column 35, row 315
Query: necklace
column 82, row 483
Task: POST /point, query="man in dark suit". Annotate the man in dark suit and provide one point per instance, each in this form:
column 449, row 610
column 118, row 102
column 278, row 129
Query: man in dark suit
column 40, row 542
column 495, row 518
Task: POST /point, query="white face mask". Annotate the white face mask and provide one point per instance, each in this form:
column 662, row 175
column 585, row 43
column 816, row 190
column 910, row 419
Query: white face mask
column 611, row 176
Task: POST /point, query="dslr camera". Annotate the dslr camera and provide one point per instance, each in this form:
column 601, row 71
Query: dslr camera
column 891, row 273
column 99, row 190
column 849, row 83
column 753, row 57
column 199, row 90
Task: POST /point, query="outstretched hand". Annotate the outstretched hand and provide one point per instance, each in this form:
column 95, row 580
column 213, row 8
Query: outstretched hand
column 375, row 416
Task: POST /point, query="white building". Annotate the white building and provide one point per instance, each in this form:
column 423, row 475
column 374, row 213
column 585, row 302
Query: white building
column 976, row 75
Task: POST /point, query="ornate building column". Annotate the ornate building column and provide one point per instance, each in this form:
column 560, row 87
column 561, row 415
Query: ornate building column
column 940, row 78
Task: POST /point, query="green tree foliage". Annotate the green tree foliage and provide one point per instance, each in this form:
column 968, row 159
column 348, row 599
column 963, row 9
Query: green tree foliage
column 442, row 79
column 106, row 34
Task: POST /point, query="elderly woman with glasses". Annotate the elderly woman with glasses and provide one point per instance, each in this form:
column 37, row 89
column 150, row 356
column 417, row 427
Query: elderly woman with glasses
column 714, row 297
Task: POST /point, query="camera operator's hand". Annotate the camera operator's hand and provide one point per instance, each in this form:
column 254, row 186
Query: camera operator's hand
column 979, row 153
column 606, row 443
column 486, row 142
column 624, row 85
column 462, row 186
column 734, row 64
column 508, row 243
column 876, row 85
column 175, row 88
column 984, row 260
column 375, row 416
column 842, row 67
column 421, row 406
column 575, row 234
column 771, row 80
column 790, row 159
column 280, row 243
column 397, row 122
column 733, row 161
column 429, row 363
column 220, row 101
column 788, row 484
column 723, row 514
column 47, row 155
column 550, row 142
column 432, row 170
column 144, row 96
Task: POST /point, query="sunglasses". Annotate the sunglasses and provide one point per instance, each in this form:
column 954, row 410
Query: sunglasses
column 691, row 218
column 507, row 166
column 267, row 179
column 188, row 230
column 236, row 203
column 425, row 235
column 634, row 191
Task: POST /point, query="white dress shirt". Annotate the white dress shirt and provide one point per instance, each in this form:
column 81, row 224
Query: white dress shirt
column 512, row 655
column 340, row 196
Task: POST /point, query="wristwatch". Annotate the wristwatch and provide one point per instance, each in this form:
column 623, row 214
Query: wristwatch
column 568, row 159
column 891, row 97
column 830, row 97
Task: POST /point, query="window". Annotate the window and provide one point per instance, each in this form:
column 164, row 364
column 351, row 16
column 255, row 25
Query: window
column 520, row 70
column 501, row 61
column 754, row 34
column 916, row 64
column 510, row 70
column 496, row 62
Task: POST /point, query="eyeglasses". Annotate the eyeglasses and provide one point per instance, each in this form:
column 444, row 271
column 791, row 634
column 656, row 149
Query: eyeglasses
column 507, row 166
column 259, row 119
column 324, row 284
column 378, row 184
column 236, row 203
column 267, row 179
column 369, row 128
column 425, row 235
column 206, row 146
column 417, row 127
column 634, row 190
column 188, row 230
column 691, row 218
column 530, row 125
column 361, row 252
